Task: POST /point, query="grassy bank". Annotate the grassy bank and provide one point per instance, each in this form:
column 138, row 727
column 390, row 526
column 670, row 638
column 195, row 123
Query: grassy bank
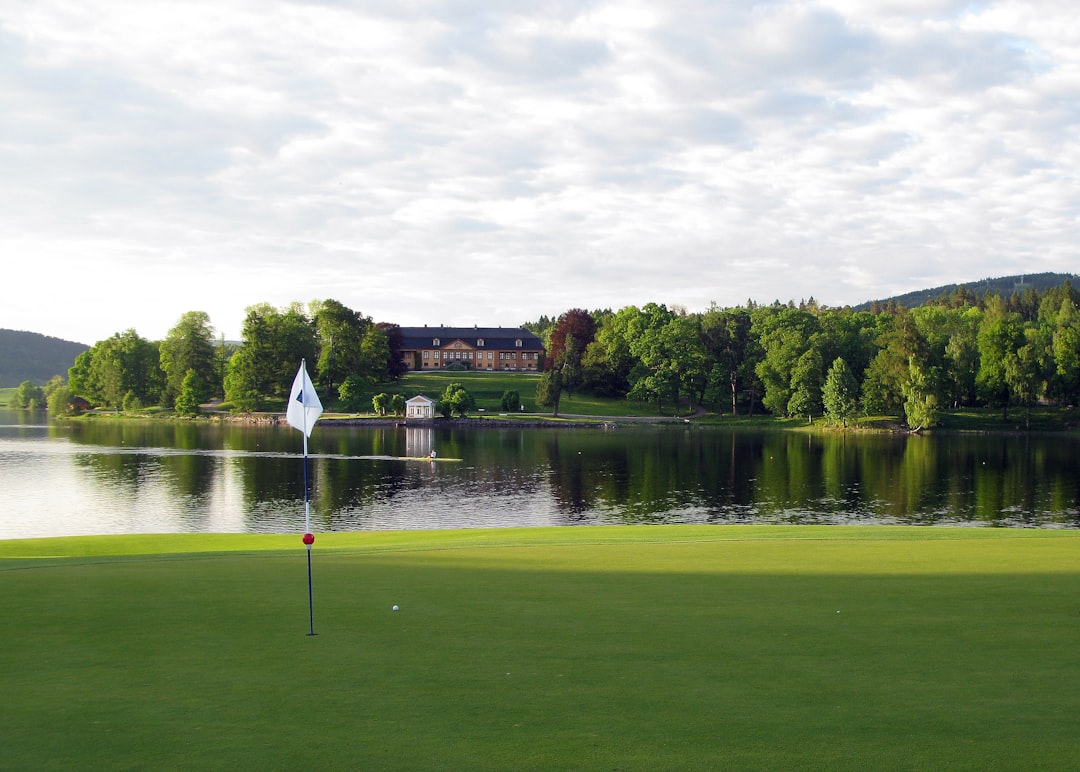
column 585, row 648
column 488, row 389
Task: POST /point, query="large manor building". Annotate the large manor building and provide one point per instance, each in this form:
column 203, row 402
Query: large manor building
column 476, row 348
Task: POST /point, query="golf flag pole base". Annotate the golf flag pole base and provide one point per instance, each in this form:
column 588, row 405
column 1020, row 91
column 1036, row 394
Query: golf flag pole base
column 309, row 539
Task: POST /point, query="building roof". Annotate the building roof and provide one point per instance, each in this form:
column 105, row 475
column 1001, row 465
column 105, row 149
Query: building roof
column 493, row 337
column 420, row 399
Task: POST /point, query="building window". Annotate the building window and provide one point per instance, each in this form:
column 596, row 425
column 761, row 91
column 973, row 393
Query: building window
column 435, row 342
column 425, row 355
column 489, row 354
column 518, row 342
column 436, row 354
column 480, row 343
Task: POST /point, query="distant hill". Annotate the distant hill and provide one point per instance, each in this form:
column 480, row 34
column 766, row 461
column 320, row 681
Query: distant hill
column 30, row 356
column 1004, row 286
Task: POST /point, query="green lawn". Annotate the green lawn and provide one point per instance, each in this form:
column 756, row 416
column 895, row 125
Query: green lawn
column 488, row 388
column 1042, row 418
column 655, row 647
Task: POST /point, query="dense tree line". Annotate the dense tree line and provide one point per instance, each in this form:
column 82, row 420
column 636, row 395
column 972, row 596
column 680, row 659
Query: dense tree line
column 809, row 360
column 344, row 350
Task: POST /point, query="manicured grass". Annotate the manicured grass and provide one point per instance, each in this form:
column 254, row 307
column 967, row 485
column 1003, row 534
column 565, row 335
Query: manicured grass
column 1042, row 418
column 488, row 388
column 6, row 395
column 587, row 648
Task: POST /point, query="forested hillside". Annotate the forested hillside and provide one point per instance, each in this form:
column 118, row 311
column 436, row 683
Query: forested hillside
column 30, row 356
column 1005, row 286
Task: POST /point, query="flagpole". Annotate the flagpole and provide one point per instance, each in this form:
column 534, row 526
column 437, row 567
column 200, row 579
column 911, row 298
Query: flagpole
column 307, row 487
column 308, row 539
column 304, row 398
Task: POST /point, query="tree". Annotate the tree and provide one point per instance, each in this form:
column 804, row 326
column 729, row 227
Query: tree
column 1024, row 370
column 806, row 380
column 274, row 344
column 243, row 384
column 59, row 401
column 340, row 332
column 191, row 394
column 79, row 375
column 380, row 402
column 374, row 355
column 223, row 353
column 549, row 390
column 608, row 362
column 692, row 363
column 655, row 374
column 352, row 391
column 395, row 365
column 28, row 397
column 54, row 383
column 397, row 404
column 784, row 335
column 114, row 366
column 1001, row 334
column 889, row 372
column 921, row 402
column 849, row 335
column 840, row 393
column 456, row 399
column 726, row 337
column 1065, row 347
column 189, row 346
column 962, row 355
column 541, row 327
column 131, row 403
column 567, row 341
column 511, row 401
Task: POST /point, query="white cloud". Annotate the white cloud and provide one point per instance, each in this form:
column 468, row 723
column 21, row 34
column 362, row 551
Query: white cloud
column 464, row 162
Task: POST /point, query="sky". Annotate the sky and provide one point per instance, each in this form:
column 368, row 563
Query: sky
column 467, row 162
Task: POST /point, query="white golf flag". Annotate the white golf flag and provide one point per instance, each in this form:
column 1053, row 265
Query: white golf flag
column 304, row 405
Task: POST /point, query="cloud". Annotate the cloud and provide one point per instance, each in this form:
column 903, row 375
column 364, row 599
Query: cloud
column 469, row 162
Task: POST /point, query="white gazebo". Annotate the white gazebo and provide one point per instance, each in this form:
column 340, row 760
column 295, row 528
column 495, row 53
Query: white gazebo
column 419, row 407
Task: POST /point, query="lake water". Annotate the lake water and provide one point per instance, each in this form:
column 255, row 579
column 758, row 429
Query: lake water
column 112, row 477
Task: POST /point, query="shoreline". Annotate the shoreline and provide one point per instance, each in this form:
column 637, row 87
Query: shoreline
column 579, row 421
column 475, row 422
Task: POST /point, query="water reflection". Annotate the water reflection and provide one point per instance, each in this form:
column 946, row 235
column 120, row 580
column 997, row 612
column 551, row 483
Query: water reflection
column 132, row 476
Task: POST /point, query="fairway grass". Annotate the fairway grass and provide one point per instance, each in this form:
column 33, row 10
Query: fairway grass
column 653, row 647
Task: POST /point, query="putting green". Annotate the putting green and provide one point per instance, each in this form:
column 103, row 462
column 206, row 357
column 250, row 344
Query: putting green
column 588, row 648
